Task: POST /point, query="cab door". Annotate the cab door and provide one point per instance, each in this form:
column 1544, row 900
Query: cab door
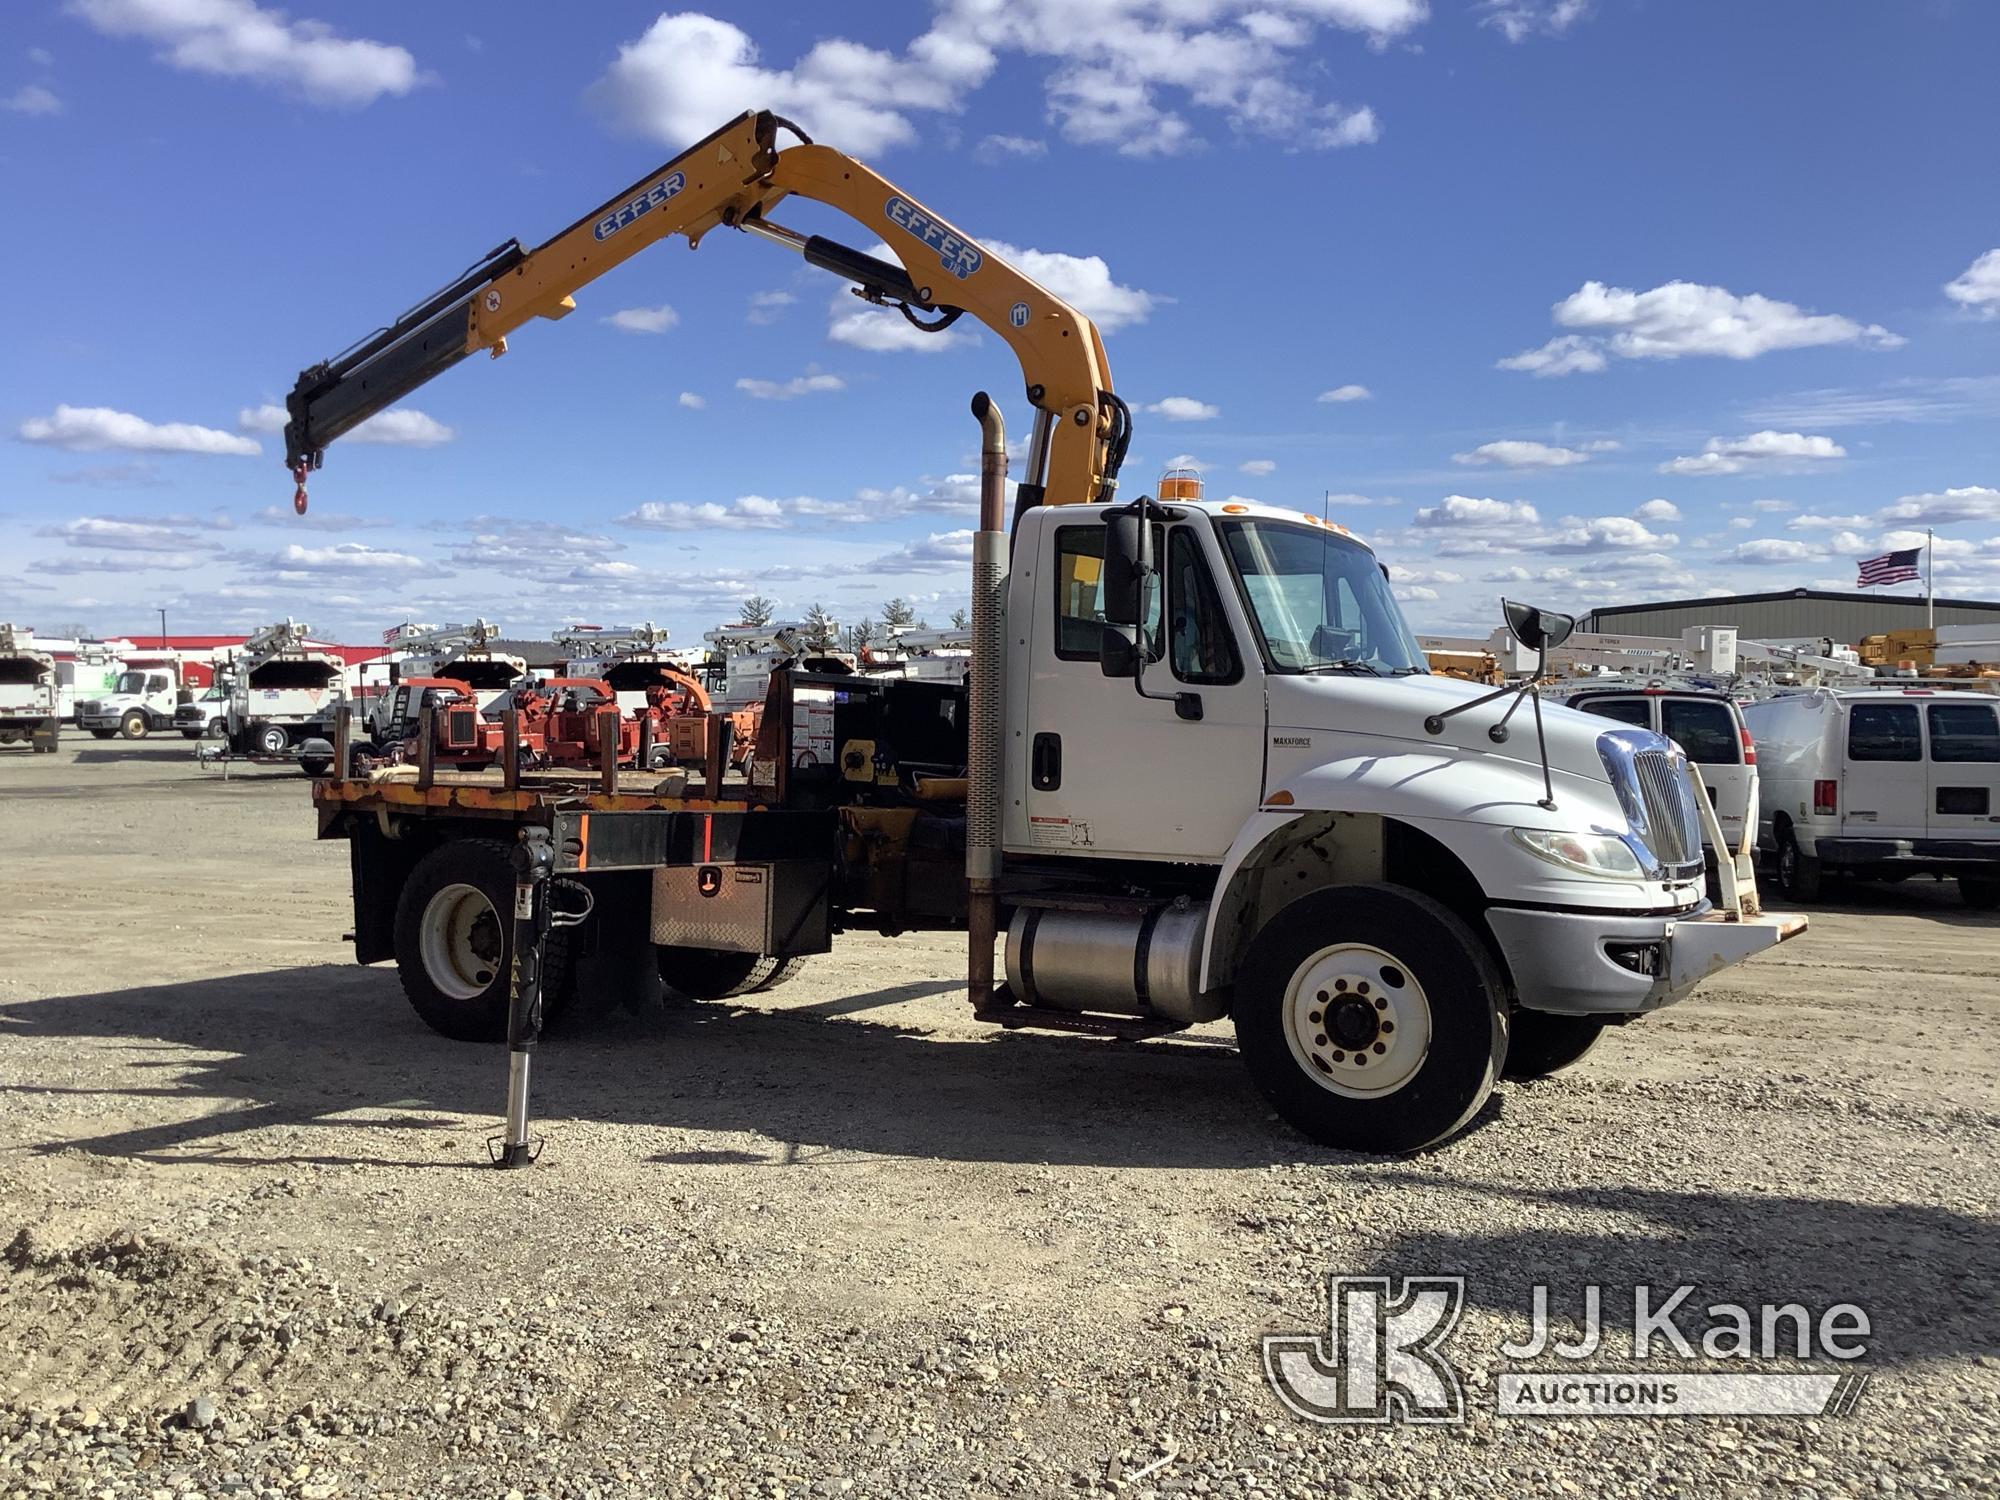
column 1884, row 784
column 1112, row 774
column 1964, row 771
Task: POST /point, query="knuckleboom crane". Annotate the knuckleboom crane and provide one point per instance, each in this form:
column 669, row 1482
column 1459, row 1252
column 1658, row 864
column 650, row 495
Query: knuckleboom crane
column 733, row 180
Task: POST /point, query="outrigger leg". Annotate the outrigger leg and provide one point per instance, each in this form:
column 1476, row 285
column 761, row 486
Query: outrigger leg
column 534, row 861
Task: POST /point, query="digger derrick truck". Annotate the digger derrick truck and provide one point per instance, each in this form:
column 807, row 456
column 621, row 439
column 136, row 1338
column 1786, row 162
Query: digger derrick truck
column 29, row 696
column 1199, row 769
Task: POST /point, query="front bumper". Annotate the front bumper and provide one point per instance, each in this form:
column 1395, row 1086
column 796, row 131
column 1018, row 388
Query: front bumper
column 1564, row 961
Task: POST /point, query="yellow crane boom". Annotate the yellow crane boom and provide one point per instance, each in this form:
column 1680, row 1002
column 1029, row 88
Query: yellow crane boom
column 733, row 179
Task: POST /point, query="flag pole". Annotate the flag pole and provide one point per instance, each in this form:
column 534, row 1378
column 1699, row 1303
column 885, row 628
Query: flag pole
column 1930, row 582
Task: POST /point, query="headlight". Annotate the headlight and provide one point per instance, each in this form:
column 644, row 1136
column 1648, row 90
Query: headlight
column 1598, row 855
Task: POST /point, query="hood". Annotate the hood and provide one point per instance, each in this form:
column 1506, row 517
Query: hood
column 1395, row 708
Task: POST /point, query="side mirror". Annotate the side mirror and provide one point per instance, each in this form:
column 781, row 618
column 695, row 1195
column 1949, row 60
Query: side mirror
column 1118, row 651
column 1537, row 629
column 1122, row 540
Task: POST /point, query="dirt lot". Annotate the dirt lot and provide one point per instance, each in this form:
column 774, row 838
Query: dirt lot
column 845, row 1239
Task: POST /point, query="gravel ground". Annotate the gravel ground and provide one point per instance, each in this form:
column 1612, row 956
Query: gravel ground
column 845, row 1240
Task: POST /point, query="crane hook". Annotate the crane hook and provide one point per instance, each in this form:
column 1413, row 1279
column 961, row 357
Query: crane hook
column 299, row 495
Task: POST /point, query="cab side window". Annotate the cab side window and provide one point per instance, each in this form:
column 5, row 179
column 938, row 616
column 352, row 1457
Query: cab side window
column 1079, row 595
column 1884, row 731
column 1198, row 634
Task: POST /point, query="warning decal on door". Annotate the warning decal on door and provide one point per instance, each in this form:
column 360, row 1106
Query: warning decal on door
column 1058, row 833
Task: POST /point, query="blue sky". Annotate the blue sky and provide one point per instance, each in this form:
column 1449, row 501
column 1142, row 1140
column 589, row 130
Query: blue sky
column 1584, row 300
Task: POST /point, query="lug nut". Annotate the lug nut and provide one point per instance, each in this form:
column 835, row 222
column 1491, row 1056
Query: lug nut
column 1380, row 1049
column 1380, row 1003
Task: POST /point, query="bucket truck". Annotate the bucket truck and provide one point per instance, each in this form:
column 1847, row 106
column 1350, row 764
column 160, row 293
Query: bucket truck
column 1200, row 772
column 285, row 694
column 29, row 708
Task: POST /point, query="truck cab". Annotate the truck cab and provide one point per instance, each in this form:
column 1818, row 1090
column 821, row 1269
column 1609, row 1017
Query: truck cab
column 142, row 700
column 1324, row 849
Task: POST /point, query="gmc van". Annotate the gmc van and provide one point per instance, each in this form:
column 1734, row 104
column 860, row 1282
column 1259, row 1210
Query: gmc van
column 1881, row 784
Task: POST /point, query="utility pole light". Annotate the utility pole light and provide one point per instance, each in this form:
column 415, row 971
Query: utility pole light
column 163, row 630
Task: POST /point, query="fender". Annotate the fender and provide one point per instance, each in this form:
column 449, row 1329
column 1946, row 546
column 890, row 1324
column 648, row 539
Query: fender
column 1467, row 802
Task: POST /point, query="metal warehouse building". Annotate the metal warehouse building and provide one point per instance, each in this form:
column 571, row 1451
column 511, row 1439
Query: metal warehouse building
column 1793, row 614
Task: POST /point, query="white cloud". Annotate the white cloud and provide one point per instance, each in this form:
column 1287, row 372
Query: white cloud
column 692, row 402
column 1773, row 507
column 1682, row 319
column 1083, row 281
column 1566, row 354
column 1517, row 20
column 346, row 558
column 1401, row 574
column 41, row 57
column 96, row 429
column 810, row 384
column 1184, row 409
column 137, row 534
column 1472, row 512
column 314, row 520
column 1765, row 450
column 644, row 319
column 1773, row 549
column 32, row 99
column 1977, row 287
column 1821, row 523
column 1343, row 393
column 402, row 427
column 1602, row 534
column 745, row 513
column 1257, row 468
column 239, row 39
column 1657, row 510
column 1515, row 453
column 940, row 552
column 1112, row 70
column 885, row 331
column 1947, row 398
column 1936, row 508
column 1001, row 147
column 270, row 417
column 767, row 307
column 1414, row 593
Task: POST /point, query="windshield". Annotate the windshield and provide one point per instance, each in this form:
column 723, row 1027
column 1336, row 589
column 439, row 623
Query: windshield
column 131, row 682
column 1320, row 601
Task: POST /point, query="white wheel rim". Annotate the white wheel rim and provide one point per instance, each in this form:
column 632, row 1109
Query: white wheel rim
column 1357, row 1021
column 461, row 941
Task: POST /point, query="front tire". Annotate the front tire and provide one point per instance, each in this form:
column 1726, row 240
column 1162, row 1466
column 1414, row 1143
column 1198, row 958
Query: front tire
column 103, row 734
column 1372, row 1018
column 133, row 726
column 1799, row 873
column 1539, row 1043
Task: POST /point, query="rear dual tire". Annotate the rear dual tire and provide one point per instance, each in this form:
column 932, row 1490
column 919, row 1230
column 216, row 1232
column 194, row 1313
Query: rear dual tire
column 454, row 940
column 712, row 974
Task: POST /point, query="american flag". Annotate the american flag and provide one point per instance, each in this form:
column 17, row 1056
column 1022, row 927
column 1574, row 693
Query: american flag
column 1890, row 567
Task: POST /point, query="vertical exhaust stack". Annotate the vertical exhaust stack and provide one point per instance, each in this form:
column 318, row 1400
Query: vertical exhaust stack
column 982, row 803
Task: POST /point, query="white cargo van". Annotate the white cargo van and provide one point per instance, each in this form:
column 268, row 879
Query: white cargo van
column 1707, row 725
column 1881, row 783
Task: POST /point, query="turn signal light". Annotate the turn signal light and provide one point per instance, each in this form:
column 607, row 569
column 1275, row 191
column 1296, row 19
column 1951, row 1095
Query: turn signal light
column 1826, row 798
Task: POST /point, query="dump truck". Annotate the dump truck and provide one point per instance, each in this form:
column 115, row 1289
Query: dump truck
column 1199, row 769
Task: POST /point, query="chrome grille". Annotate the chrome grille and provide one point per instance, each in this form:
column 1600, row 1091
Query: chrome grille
column 1673, row 825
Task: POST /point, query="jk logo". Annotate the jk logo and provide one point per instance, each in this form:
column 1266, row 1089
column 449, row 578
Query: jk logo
column 1378, row 1359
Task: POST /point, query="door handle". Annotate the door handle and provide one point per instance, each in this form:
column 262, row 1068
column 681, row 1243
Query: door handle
column 1045, row 764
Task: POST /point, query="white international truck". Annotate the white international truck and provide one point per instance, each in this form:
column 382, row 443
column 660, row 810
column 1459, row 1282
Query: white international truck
column 1199, row 769
column 284, row 696
column 148, row 691
column 30, row 710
